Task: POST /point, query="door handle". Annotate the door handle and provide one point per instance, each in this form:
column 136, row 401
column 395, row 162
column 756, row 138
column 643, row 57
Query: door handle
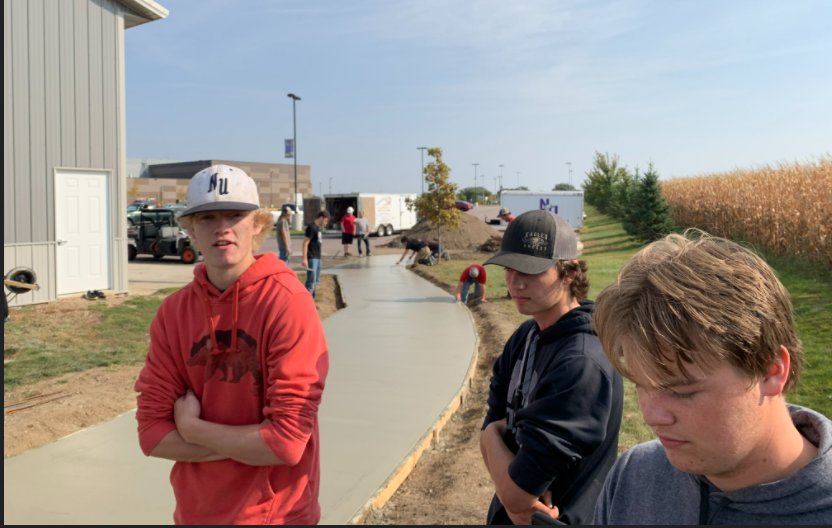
column 62, row 242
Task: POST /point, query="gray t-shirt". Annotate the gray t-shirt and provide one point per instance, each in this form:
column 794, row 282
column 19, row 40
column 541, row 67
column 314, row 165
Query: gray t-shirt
column 645, row 489
column 282, row 225
column 362, row 227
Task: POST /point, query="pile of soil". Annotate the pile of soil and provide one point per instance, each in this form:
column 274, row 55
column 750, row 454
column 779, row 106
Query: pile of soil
column 472, row 233
column 492, row 246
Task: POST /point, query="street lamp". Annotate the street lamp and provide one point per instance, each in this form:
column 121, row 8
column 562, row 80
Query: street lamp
column 476, row 165
column 295, row 100
column 483, row 189
column 569, row 164
column 423, row 149
column 501, row 177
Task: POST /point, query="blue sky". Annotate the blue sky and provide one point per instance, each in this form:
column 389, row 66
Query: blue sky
column 529, row 84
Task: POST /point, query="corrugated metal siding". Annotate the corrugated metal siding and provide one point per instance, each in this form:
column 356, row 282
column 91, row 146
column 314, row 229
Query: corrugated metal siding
column 37, row 123
column 62, row 95
column 66, row 12
column 20, row 115
column 9, row 234
column 39, row 257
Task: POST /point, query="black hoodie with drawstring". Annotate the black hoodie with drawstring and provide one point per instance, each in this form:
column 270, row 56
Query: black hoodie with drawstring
column 563, row 402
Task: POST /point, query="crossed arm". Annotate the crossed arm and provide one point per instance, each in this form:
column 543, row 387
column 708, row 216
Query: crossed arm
column 519, row 504
column 196, row 440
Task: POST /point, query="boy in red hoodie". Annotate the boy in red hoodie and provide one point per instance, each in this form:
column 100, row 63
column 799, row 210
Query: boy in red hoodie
column 236, row 370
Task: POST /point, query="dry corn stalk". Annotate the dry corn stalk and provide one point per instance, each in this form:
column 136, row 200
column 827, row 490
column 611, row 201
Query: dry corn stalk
column 787, row 207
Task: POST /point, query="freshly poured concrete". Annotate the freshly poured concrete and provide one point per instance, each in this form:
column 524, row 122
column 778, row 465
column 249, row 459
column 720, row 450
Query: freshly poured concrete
column 98, row 476
column 399, row 353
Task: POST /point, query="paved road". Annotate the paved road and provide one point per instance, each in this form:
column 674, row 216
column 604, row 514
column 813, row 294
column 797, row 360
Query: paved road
column 487, row 212
column 399, row 353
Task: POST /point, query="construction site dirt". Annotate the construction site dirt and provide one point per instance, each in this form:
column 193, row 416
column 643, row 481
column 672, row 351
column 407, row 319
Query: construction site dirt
column 450, row 485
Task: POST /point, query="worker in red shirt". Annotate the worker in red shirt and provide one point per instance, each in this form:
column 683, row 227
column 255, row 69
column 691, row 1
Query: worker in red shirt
column 505, row 216
column 348, row 231
column 236, row 371
column 472, row 276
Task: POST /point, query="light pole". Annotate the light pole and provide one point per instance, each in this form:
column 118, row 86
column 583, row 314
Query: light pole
column 423, row 149
column 495, row 184
column 518, row 180
column 501, row 177
column 295, row 100
column 569, row 164
column 330, row 186
column 476, row 165
column 483, row 188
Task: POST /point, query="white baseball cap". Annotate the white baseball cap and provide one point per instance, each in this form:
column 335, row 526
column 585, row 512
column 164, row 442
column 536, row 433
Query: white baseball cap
column 350, row 210
column 222, row 188
column 474, row 273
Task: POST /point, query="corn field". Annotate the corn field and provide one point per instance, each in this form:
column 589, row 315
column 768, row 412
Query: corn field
column 786, row 208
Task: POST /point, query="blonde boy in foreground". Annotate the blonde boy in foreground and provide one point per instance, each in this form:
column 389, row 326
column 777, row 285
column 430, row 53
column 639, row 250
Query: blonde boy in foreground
column 705, row 330
column 236, row 370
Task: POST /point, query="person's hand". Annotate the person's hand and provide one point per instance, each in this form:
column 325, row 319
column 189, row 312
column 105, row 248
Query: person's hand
column 186, row 411
column 305, row 263
column 544, row 506
column 458, row 297
column 484, row 300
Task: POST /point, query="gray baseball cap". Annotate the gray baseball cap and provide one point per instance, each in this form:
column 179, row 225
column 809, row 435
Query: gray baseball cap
column 504, row 212
column 535, row 242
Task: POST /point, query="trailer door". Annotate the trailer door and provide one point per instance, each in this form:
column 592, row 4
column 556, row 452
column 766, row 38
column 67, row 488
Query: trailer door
column 368, row 205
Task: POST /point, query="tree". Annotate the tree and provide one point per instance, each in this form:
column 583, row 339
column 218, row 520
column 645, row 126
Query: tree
column 437, row 204
column 473, row 194
column 601, row 180
column 181, row 194
column 521, row 188
column 133, row 193
column 652, row 214
column 564, row 187
column 624, row 200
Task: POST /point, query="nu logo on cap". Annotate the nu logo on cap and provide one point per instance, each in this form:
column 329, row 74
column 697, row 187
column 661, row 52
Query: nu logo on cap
column 222, row 184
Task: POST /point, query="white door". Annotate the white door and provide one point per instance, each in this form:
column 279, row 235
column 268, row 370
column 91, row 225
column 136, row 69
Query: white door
column 83, row 235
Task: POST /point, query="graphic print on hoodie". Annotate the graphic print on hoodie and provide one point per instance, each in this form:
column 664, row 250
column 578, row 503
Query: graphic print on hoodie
column 254, row 354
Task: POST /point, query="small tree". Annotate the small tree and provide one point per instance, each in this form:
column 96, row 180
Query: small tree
column 564, row 187
column 133, row 192
column 601, row 180
column 437, row 204
column 181, row 194
column 622, row 205
column 472, row 194
column 652, row 217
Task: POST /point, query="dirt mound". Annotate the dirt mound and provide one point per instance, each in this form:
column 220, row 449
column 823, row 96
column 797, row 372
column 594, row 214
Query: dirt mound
column 472, row 233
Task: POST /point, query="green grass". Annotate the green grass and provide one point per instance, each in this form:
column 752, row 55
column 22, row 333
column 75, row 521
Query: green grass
column 49, row 345
column 607, row 248
column 810, row 286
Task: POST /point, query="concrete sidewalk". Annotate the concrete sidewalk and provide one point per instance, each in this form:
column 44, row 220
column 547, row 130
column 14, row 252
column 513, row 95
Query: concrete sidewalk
column 400, row 353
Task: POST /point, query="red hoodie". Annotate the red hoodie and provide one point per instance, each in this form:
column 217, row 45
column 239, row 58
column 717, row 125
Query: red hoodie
column 272, row 320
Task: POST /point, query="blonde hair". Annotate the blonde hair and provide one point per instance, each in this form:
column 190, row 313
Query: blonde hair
column 697, row 300
column 261, row 217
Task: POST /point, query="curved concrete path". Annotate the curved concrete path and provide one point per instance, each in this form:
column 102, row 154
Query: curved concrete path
column 400, row 352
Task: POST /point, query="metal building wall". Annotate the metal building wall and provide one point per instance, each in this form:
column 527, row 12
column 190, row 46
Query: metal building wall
column 63, row 107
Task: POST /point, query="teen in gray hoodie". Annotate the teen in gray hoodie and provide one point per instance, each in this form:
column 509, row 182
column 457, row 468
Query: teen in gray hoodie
column 644, row 488
column 705, row 330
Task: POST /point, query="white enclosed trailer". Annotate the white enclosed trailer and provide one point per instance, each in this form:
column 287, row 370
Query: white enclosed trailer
column 386, row 213
column 569, row 205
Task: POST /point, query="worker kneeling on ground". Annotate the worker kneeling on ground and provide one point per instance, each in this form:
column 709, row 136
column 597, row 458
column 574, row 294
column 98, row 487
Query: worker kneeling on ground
column 706, row 331
column 418, row 249
column 556, row 402
column 236, row 370
column 473, row 276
